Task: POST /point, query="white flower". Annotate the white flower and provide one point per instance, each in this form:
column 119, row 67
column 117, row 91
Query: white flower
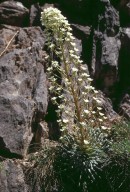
column 74, row 69
column 84, row 93
column 66, row 80
column 63, row 129
column 86, row 100
column 76, row 49
column 67, row 24
column 58, row 111
column 86, row 111
column 69, row 34
column 67, row 112
column 61, row 138
column 103, row 127
column 84, row 75
column 46, row 57
column 71, row 37
column 86, row 142
column 61, row 106
column 101, row 114
column 82, row 123
column 83, row 68
column 52, row 46
column 99, row 108
column 55, row 64
column 49, row 69
column 63, row 30
column 53, row 98
column 80, row 61
column 98, row 101
column 52, row 79
column 89, row 87
column 59, row 89
column 100, row 120
column 89, row 79
column 67, row 39
column 65, row 120
column 59, row 121
column 95, row 91
column 76, row 57
column 79, row 79
column 71, row 51
column 61, row 96
column 67, row 83
column 51, row 88
column 72, row 43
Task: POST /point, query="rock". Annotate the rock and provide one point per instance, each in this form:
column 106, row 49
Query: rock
column 123, row 88
column 106, row 46
column 13, row 13
column 124, row 60
column 41, row 133
column 35, row 13
column 105, row 65
column 11, row 177
column 84, row 30
column 15, row 127
column 124, row 107
column 108, row 110
column 108, row 19
column 128, row 8
column 23, row 88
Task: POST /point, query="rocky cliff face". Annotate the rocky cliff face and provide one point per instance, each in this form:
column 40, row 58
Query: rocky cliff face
column 102, row 29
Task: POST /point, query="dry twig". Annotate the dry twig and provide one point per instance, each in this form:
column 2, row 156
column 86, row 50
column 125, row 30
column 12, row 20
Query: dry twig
column 9, row 43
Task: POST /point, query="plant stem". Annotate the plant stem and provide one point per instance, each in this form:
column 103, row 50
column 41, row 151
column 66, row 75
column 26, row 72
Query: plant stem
column 74, row 97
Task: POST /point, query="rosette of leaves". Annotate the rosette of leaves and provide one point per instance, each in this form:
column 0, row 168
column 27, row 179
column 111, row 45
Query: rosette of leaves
column 67, row 168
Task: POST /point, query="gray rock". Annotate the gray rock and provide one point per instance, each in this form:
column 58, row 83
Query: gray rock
column 124, row 60
column 124, row 107
column 13, row 13
column 84, row 30
column 35, row 12
column 108, row 110
column 106, row 66
column 15, row 124
column 108, row 19
column 23, row 88
column 11, row 177
column 106, row 46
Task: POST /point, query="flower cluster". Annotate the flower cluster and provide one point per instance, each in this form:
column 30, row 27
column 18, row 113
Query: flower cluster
column 79, row 108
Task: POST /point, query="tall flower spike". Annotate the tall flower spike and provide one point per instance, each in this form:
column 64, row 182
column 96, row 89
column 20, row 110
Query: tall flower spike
column 75, row 88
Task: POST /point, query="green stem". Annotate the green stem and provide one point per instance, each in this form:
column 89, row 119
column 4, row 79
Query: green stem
column 74, row 97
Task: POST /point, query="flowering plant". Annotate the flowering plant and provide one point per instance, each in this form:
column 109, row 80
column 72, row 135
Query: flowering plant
column 86, row 162
column 79, row 110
